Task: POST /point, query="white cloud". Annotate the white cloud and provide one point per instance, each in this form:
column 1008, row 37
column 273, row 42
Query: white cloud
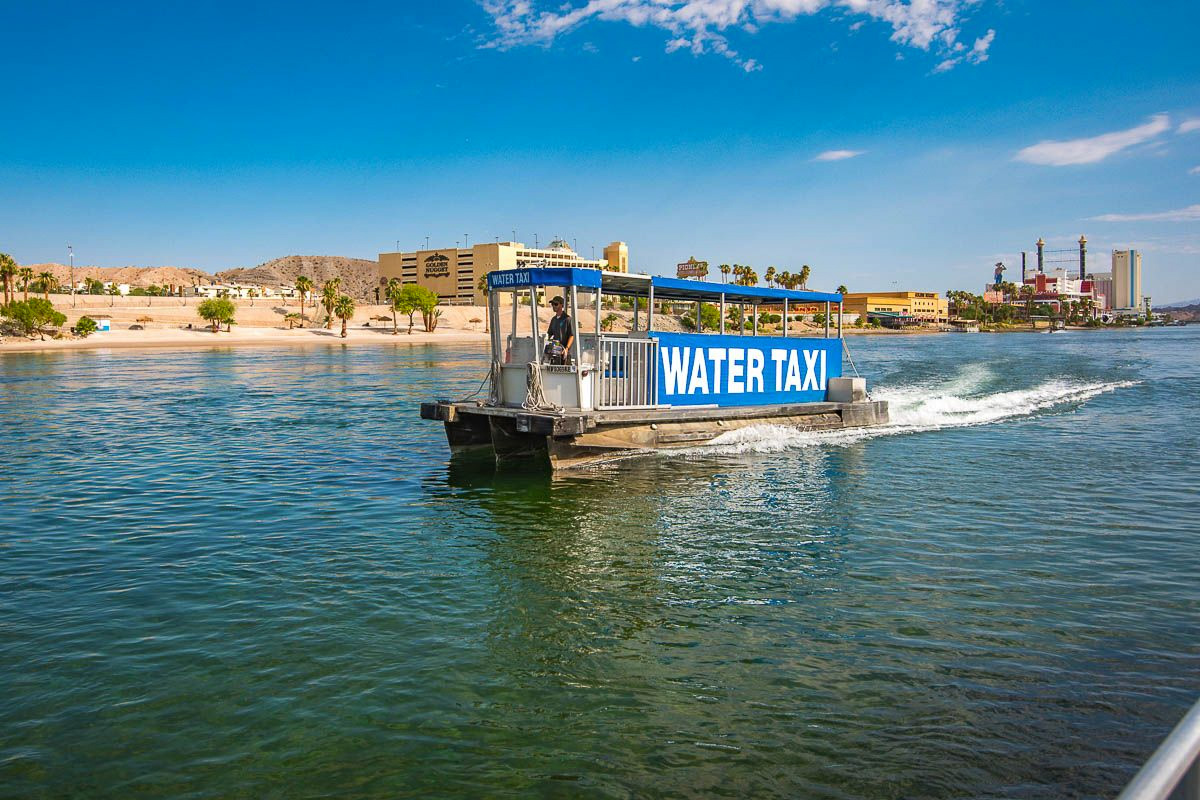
column 1092, row 149
column 838, row 155
column 1189, row 214
column 700, row 25
column 1194, row 171
column 1189, row 125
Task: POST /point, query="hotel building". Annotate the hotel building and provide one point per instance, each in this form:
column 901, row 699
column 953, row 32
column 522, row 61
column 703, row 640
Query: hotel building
column 920, row 306
column 455, row 273
column 1127, row 279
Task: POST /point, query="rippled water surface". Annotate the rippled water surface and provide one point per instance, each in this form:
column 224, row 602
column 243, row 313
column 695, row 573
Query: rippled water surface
column 254, row 573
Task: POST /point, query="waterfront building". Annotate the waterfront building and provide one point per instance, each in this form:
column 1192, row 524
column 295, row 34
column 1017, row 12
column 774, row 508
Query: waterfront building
column 1102, row 288
column 1127, row 279
column 899, row 305
column 244, row 290
column 454, row 273
column 1055, row 289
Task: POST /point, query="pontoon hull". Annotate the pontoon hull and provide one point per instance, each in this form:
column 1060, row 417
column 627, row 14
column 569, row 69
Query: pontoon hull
column 568, row 440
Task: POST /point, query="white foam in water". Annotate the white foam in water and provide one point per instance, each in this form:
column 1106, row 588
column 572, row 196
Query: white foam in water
column 918, row 408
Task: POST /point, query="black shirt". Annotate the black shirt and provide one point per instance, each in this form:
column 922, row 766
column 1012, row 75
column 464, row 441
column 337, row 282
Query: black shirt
column 561, row 329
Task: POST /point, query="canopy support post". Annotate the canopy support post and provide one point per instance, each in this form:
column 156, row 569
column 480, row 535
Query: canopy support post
column 533, row 315
column 577, row 347
column 785, row 318
column 722, row 313
column 839, row 319
column 754, row 319
column 650, row 310
column 826, row 319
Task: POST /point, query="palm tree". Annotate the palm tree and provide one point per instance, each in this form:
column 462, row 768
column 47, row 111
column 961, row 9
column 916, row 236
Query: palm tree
column 805, row 272
column 8, row 268
column 48, row 282
column 113, row 291
column 395, row 291
column 343, row 307
column 329, row 296
column 303, row 286
column 291, row 319
column 724, row 273
column 770, row 276
column 483, row 287
column 26, row 274
column 842, row 289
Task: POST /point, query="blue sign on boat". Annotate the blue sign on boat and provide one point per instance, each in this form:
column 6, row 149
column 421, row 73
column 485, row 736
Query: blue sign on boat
column 707, row 369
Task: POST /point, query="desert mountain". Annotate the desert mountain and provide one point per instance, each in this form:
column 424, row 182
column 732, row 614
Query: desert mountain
column 134, row 276
column 359, row 276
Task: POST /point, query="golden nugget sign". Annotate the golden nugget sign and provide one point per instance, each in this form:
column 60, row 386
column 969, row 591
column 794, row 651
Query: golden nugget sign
column 436, row 266
column 691, row 268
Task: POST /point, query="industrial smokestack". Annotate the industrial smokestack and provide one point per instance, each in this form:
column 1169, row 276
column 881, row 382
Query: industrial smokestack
column 1082, row 257
column 1041, row 246
column 1023, row 267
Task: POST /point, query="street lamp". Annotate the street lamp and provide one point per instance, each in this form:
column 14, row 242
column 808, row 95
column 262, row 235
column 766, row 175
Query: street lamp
column 71, row 256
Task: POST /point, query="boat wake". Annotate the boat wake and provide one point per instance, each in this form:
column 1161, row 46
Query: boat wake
column 919, row 408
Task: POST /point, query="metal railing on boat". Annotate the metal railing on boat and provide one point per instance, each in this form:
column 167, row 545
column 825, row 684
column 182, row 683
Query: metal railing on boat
column 626, row 373
column 1173, row 772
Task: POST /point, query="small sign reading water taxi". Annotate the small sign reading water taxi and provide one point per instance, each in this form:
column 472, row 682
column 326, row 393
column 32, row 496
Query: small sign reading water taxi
column 710, row 369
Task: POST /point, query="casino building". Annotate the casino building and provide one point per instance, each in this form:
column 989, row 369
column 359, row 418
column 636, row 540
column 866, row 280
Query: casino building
column 454, row 273
column 898, row 305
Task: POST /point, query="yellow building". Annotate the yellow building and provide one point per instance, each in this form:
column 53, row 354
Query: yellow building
column 454, row 273
column 923, row 306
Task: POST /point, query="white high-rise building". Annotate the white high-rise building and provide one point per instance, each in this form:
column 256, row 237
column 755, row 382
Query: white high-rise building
column 1127, row 279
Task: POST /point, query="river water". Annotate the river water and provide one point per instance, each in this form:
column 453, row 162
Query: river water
column 253, row 573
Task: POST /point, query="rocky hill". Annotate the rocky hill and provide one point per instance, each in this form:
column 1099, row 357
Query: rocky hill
column 359, row 276
column 1187, row 313
column 134, row 276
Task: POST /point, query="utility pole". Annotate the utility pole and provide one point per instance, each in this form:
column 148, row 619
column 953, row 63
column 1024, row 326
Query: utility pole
column 426, row 241
column 71, row 256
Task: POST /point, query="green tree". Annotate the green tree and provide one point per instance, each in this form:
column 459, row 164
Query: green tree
column 85, row 327
column 343, row 307
column 303, row 286
column 31, row 316
column 113, row 291
column 395, row 298
column 48, row 282
column 218, row 311
column 770, row 276
column 8, row 268
column 430, row 313
column 842, row 289
column 26, row 274
column 92, row 286
column 487, row 313
column 291, row 319
column 330, row 292
column 724, row 273
column 805, row 274
column 414, row 298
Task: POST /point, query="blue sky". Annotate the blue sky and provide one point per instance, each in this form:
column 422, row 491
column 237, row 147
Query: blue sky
column 884, row 143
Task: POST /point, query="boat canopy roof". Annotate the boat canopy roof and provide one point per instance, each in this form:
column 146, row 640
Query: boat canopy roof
column 664, row 288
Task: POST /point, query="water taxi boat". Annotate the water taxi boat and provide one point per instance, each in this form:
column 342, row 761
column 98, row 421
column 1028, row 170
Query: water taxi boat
column 652, row 388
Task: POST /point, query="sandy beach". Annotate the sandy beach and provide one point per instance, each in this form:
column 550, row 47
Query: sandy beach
column 240, row 337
